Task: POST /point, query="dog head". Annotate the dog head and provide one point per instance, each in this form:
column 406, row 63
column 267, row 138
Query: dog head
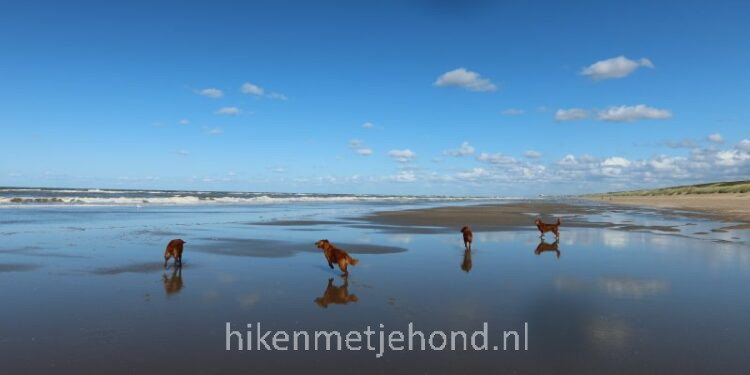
column 464, row 229
column 322, row 244
column 538, row 221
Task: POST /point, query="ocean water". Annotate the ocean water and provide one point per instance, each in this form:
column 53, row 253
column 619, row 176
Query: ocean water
column 83, row 289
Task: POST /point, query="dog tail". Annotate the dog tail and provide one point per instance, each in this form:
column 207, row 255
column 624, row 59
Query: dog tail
column 351, row 260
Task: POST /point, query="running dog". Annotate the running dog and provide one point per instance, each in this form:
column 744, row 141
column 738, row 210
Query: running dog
column 335, row 255
column 174, row 250
column 543, row 228
column 468, row 236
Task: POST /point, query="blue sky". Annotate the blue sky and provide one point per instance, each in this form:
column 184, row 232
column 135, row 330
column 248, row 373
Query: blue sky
column 464, row 98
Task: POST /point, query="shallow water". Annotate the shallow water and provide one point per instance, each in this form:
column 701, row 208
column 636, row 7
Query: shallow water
column 83, row 290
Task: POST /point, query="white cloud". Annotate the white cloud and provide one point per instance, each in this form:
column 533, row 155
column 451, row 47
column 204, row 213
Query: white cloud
column 633, row 113
column 277, row 96
column 214, row 131
column 513, row 112
column 616, row 67
column 571, row 114
column 212, row 93
column 183, row 152
column 368, row 125
column 715, row 138
column 360, row 147
column 184, row 121
column 616, row 161
column 364, row 151
column 473, row 173
column 732, row 158
column 496, row 158
column 228, row 111
column 464, row 150
column 405, row 176
column 531, row 154
column 744, row 145
column 252, row 89
column 279, row 170
column 469, row 80
column 402, row 156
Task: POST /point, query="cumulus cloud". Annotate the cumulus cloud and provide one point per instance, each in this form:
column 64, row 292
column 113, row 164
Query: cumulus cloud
column 252, row 89
column 277, row 96
column 513, row 112
column 616, row 161
column 744, row 145
column 405, row 176
column 359, row 147
column 716, row 138
column 228, row 111
column 464, row 150
column 212, row 93
column 571, row 114
column 473, row 173
column 402, row 156
column 625, row 113
column 531, row 154
column 467, row 79
column 496, row 158
column 616, row 67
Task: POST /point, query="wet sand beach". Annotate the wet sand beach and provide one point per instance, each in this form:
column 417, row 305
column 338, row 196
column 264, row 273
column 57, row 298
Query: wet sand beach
column 624, row 289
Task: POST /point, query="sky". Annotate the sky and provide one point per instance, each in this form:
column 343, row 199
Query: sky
column 392, row 97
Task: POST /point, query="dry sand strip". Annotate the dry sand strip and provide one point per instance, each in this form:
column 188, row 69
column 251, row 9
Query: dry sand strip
column 721, row 207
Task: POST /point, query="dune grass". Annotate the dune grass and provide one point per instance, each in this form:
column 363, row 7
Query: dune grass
column 709, row 188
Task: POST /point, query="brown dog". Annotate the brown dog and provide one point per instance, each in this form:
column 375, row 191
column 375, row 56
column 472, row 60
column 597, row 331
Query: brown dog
column 543, row 246
column 336, row 295
column 174, row 249
column 543, row 228
column 335, row 255
column 468, row 236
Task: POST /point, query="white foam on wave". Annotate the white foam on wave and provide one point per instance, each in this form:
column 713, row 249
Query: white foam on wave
column 193, row 200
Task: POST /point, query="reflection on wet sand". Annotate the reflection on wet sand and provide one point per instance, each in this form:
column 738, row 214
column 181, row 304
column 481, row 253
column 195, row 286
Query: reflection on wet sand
column 173, row 284
column 336, row 294
column 466, row 264
column 543, row 246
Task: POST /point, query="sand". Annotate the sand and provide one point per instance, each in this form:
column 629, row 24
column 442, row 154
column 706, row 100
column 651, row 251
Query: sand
column 722, row 207
column 486, row 217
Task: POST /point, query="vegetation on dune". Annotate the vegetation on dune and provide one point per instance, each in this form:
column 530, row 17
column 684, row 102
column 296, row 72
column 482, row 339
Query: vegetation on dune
column 710, row 188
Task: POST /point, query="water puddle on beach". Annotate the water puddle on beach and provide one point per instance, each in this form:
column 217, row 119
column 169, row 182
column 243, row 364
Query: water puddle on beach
column 84, row 290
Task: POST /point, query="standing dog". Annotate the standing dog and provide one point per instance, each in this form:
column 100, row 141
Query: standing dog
column 174, row 249
column 543, row 228
column 468, row 236
column 335, row 255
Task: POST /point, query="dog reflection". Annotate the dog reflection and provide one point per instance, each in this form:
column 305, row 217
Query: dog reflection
column 173, row 283
column 543, row 246
column 336, row 294
column 466, row 264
